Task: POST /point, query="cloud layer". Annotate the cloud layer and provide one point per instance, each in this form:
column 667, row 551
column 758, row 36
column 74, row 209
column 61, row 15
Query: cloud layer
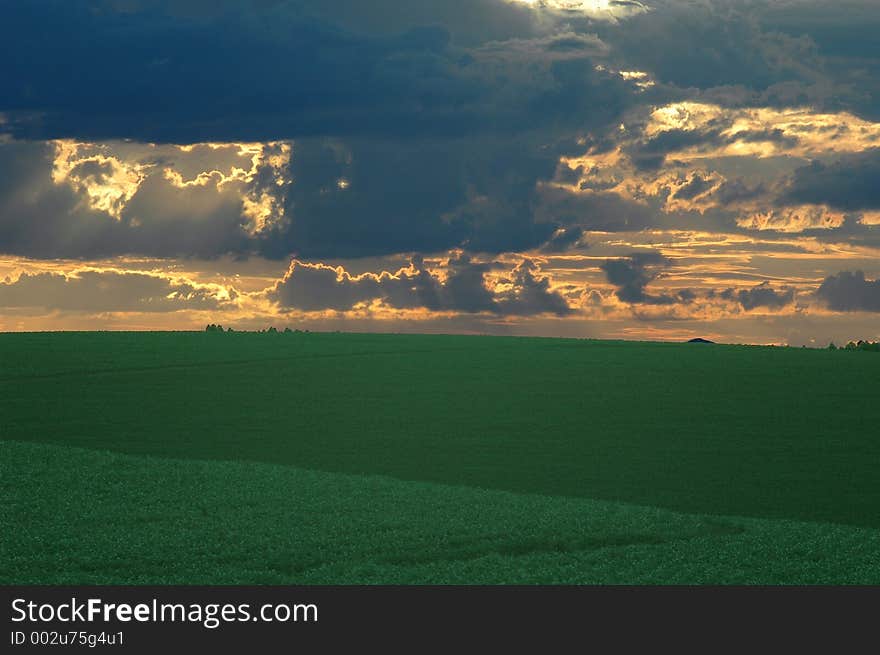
column 110, row 291
column 515, row 163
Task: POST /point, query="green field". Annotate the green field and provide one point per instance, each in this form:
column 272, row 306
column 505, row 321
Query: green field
column 331, row 458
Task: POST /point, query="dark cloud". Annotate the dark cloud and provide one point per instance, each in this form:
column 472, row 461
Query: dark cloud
column 633, row 274
column 852, row 183
column 850, row 292
column 97, row 171
column 782, row 53
column 465, row 287
column 737, row 190
column 105, row 291
column 380, row 197
column 470, row 22
column 599, row 211
column 753, row 53
column 711, row 44
column 362, row 197
column 761, row 296
column 845, row 36
column 530, row 295
column 419, row 126
column 315, row 287
column 265, row 71
column 696, row 185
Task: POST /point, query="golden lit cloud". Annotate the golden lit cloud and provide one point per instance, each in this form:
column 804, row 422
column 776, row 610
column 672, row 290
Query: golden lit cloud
column 107, row 182
column 109, row 175
column 716, row 158
column 641, row 79
column 793, row 219
column 797, row 132
column 870, row 218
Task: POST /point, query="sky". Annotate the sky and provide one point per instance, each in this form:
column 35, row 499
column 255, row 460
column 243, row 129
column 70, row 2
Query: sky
column 614, row 169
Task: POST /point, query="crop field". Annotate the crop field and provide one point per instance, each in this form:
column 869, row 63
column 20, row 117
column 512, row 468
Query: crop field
column 346, row 458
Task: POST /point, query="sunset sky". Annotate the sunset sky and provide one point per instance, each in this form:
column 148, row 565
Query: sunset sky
column 610, row 169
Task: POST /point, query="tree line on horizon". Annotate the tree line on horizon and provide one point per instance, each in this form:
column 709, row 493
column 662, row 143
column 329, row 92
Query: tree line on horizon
column 211, row 327
column 868, row 346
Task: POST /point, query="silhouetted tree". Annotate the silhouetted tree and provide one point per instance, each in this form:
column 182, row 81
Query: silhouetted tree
column 866, row 346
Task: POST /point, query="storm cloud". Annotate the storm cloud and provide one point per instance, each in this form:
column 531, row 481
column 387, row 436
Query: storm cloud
column 488, row 159
column 422, row 135
column 264, row 71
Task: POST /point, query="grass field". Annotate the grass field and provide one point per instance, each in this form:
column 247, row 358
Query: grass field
column 330, row 458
